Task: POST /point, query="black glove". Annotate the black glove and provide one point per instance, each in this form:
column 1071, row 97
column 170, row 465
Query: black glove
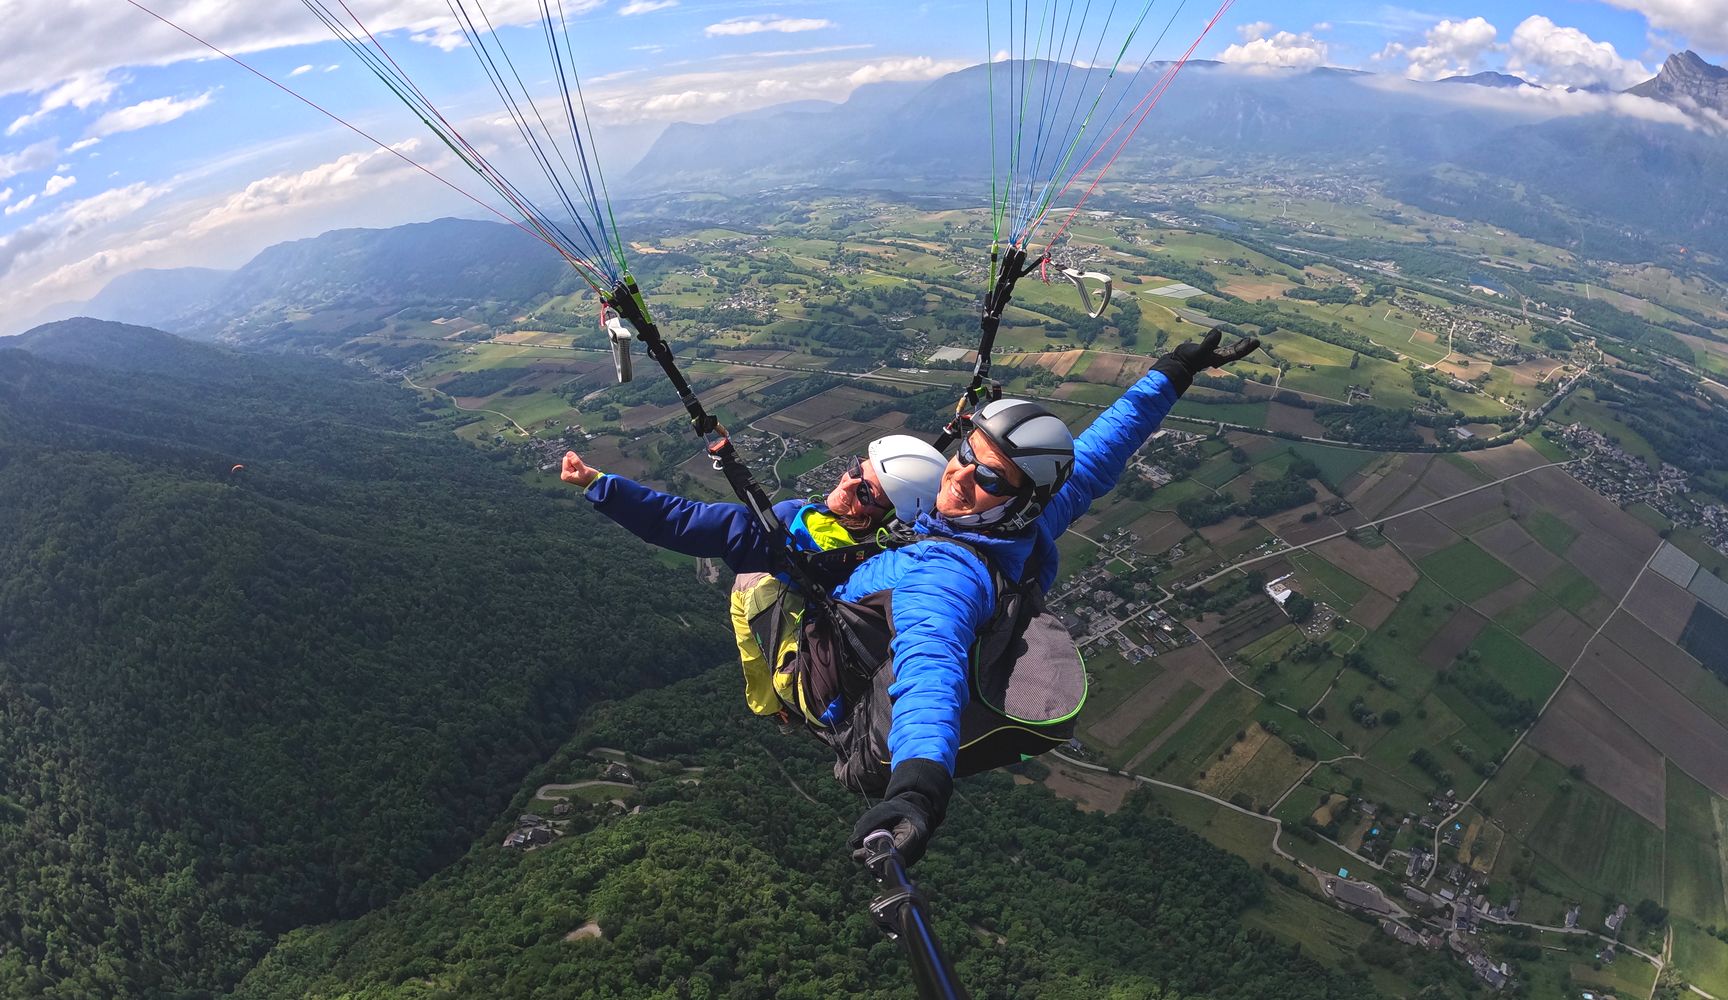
column 912, row 809
column 1190, row 359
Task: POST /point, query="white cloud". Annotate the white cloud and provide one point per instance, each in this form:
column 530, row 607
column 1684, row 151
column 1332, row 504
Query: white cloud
column 786, row 53
column 158, row 111
column 283, row 193
column 298, row 70
column 1566, row 57
column 34, row 33
column 1546, row 102
column 706, row 96
column 635, row 7
column 1704, row 22
column 752, row 26
column 36, row 156
column 57, row 184
column 65, row 226
column 915, row 68
column 82, row 144
column 84, row 91
column 333, row 67
column 1260, row 46
column 1450, row 48
column 5, row 196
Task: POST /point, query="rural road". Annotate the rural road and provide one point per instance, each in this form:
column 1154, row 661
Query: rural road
column 1277, row 824
column 540, row 792
column 466, row 409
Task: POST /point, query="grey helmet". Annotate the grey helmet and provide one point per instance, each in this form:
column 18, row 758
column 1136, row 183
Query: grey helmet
column 1039, row 444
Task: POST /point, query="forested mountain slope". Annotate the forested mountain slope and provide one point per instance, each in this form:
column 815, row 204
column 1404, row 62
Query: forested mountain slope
column 730, row 882
column 233, row 703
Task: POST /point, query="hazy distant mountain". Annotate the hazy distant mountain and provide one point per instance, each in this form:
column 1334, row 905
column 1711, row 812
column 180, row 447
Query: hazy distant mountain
column 1642, row 185
column 730, row 153
column 102, row 343
column 151, row 296
column 1688, row 82
column 1489, row 78
column 939, row 135
column 449, row 263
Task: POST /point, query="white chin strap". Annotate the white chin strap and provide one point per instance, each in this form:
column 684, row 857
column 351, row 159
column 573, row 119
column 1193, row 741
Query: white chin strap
column 1011, row 513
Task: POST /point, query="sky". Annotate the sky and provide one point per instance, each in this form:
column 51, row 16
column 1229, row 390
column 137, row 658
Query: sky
column 125, row 144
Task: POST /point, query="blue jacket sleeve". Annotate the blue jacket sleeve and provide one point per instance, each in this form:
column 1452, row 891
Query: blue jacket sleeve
column 724, row 531
column 939, row 605
column 1102, row 451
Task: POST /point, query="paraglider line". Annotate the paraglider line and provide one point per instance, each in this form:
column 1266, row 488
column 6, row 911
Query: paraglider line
column 1150, row 102
column 351, row 127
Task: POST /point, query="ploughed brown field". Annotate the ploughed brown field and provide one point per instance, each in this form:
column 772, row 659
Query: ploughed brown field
column 1382, row 568
column 1696, row 742
column 1661, row 604
column 1579, row 729
column 1453, row 638
column 1419, row 534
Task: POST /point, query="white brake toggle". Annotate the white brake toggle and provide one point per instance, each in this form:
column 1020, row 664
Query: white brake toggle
column 620, row 336
column 1080, row 278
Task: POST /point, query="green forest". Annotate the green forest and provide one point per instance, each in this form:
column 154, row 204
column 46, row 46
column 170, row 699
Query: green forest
column 737, row 884
column 236, row 702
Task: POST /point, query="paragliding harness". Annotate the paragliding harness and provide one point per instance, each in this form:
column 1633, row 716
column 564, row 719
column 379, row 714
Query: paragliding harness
column 1026, row 682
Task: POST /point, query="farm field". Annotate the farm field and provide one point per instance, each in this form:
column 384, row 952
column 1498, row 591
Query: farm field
column 1697, row 884
column 1463, row 618
column 1575, row 839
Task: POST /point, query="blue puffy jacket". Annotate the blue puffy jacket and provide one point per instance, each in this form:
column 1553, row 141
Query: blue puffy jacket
column 943, row 594
column 724, row 531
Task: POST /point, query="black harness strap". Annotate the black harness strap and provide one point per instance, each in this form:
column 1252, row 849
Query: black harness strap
column 1013, row 268
column 626, row 300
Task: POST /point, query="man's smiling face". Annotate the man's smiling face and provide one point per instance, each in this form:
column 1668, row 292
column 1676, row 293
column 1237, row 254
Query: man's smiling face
column 961, row 494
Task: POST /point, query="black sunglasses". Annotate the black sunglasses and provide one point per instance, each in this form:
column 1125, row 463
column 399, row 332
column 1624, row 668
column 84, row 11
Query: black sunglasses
column 867, row 494
column 990, row 480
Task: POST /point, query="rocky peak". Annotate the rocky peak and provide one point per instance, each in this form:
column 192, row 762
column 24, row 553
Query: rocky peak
column 1687, row 79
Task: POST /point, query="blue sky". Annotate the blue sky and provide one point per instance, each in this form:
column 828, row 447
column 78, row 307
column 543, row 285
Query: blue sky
column 124, row 144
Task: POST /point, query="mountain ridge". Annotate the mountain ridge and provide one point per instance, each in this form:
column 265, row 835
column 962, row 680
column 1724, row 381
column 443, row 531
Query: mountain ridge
column 1688, row 82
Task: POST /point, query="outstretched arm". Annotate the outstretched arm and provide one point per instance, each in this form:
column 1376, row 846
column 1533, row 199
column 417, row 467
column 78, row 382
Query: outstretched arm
column 1102, row 451
column 725, row 531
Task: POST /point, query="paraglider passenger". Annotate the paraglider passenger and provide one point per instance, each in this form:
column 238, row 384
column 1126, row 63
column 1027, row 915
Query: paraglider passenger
column 897, row 477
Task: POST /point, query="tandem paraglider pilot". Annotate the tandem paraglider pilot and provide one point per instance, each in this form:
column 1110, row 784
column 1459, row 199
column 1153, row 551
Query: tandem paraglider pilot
column 926, row 636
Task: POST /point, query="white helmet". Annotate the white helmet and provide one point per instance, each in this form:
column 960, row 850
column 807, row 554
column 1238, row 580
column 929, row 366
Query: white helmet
column 911, row 473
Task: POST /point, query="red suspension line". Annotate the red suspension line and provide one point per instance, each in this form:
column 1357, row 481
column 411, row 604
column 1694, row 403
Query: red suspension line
column 1147, row 103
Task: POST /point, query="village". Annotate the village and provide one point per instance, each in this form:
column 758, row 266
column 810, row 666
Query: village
column 1451, row 916
column 1627, row 479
